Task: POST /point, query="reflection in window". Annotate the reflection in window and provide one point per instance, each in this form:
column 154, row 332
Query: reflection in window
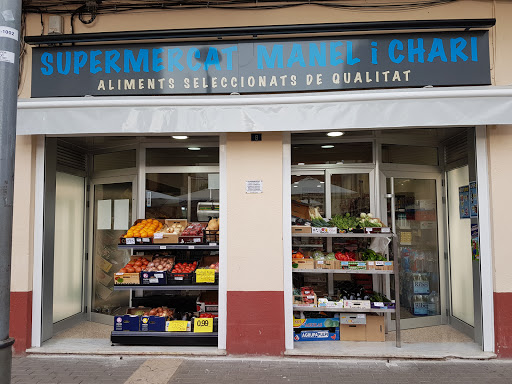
column 350, row 193
column 309, row 190
column 180, row 195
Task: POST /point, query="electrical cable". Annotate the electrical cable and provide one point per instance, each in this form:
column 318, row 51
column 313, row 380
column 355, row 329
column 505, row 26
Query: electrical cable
column 116, row 6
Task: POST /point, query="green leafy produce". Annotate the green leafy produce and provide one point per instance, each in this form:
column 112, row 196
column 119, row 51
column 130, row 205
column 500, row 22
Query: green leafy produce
column 330, row 256
column 377, row 297
column 344, row 222
column 316, row 219
column 371, row 255
column 318, row 255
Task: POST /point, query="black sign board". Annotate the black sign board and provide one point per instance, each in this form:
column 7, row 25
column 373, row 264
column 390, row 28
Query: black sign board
column 256, row 66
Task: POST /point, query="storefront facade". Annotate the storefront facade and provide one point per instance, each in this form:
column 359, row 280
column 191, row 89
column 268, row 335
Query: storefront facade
column 255, row 312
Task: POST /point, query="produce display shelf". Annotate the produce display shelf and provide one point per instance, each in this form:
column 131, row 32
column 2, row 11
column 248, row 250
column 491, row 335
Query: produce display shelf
column 164, row 338
column 348, row 271
column 343, row 235
column 196, row 287
column 340, row 310
column 163, row 247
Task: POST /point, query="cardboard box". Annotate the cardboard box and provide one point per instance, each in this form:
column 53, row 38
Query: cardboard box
column 375, row 330
column 370, row 265
column 384, row 265
column 169, row 238
column 352, row 318
column 357, row 304
column 352, row 332
column 153, row 278
column 331, row 230
column 323, row 335
column 301, row 229
column 357, row 265
column 303, row 263
column 322, row 302
column 127, row 323
column 327, row 264
column 300, row 210
column 383, row 305
column 316, row 323
column 126, row 278
column 152, row 324
column 377, row 230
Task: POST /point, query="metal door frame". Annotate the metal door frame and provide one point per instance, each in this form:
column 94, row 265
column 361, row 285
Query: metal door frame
column 92, row 316
column 430, row 173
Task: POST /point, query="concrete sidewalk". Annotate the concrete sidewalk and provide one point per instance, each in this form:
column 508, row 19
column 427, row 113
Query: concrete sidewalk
column 226, row 370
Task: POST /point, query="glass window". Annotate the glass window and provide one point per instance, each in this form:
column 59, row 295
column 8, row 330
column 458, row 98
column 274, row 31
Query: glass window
column 182, row 156
column 308, row 191
column 332, row 153
column 182, row 195
column 115, row 160
column 409, row 154
column 350, row 193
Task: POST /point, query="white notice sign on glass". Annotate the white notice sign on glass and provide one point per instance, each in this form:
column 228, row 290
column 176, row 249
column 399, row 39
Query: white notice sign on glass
column 121, row 214
column 104, row 214
column 254, row 186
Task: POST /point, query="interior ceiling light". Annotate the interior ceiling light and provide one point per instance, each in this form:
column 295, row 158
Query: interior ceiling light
column 180, row 137
column 319, row 186
column 327, row 146
column 335, row 134
column 194, row 148
column 295, row 186
column 322, row 182
column 300, row 163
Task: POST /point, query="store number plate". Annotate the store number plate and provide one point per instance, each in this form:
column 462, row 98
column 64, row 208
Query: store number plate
column 205, row 276
column 203, row 325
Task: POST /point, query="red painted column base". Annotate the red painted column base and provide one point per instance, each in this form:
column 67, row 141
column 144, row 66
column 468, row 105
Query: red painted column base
column 503, row 324
column 255, row 323
column 20, row 326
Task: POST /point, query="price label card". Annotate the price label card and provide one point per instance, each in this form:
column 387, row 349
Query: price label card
column 130, row 241
column 177, row 326
column 191, row 247
column 205, row 276
column 163, row 247
column 203, row 325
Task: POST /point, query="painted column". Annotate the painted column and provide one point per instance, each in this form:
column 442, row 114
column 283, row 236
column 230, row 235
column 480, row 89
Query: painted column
column 500, row 146
column 255, row 310
column 22, row 247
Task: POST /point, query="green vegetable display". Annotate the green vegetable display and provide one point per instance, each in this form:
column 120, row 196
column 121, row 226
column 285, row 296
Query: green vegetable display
column 344, row 222
column 370, row 255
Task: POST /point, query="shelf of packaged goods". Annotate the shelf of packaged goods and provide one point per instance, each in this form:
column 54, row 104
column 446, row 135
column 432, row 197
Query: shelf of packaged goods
column 164, row 338
column 158, row 247
column 350, row 235
column 197, row 287
column 341, row 310
column 349, row 271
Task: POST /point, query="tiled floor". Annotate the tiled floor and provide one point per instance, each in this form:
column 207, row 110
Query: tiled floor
column 431, row 342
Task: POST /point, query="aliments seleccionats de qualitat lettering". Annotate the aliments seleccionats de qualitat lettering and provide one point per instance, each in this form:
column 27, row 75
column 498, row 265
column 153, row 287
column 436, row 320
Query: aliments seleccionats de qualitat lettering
column 261, row 81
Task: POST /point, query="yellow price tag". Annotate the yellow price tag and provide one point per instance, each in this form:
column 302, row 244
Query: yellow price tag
column 298, row 322
column 204, row 325
column 177, row 326
column 205, row 276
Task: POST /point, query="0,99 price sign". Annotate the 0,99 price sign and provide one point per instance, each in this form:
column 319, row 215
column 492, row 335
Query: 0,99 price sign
column 203, row 325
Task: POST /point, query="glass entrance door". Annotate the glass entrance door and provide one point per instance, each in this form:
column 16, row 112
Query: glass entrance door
column 417, row 223
column 112, row 213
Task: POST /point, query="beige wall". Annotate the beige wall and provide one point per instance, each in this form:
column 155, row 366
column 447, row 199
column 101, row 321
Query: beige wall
column 500, row 151
column 22, row 231
column 255, row 228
